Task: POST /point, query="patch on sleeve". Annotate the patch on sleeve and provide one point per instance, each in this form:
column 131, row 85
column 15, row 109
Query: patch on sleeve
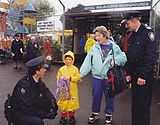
column 148, row 27
column 151, row 36
column 23, row 91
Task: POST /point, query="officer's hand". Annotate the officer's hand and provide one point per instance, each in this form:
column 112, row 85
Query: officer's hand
column 128, row 78
column 54, row 105
column 141, row 81
column 55, row 108
column 51, row 115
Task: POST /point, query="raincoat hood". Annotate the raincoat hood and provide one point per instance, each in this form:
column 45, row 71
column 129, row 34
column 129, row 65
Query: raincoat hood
column 69, row 53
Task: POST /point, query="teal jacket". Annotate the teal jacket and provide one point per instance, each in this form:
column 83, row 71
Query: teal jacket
column 93, row 61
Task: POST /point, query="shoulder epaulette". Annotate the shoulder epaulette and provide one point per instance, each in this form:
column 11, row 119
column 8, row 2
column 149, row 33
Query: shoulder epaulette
column 148, row 27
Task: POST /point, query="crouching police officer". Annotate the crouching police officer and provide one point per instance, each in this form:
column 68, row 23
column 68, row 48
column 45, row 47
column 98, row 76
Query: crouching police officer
column 31, row 99
column 142, row 54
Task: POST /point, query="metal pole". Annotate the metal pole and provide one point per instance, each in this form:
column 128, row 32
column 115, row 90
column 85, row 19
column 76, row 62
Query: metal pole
column 23, row 25
column 151, row 15
column 63, row 26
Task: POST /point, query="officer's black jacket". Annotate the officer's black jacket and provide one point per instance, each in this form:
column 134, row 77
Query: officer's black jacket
column 16, row 46
column 32, row 98
column 32, row 50
column 142, row 53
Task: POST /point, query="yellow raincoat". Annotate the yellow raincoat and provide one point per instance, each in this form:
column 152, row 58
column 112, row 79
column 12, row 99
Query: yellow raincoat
column 89, row 43
column 71, row 70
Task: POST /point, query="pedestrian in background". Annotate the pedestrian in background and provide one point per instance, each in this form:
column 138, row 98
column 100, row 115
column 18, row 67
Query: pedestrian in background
column 70, row 73
column 99, row 60
column 82, row 45
column 31, row 100
column 89, row 43
column 47, row 47
column 110, row 35
column 32, row 49
column 17, row 49
column 142, row 57
column 47, row 51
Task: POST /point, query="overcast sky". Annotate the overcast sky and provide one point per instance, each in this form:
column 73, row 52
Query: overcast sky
column 74, row 3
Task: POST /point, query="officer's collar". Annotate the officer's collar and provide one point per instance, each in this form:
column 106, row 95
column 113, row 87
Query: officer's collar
column 137, row 28
column 36, row 81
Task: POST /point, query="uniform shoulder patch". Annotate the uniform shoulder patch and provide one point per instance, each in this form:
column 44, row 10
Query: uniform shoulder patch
column 23, row 91
column 151, row 36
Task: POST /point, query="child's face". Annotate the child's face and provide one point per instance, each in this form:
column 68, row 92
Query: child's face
column 68, row 61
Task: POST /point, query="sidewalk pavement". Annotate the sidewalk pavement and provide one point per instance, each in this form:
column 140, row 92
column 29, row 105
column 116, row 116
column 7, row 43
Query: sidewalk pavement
column 122, row 114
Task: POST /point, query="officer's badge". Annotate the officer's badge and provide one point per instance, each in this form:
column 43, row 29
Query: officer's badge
column 23, row 91
column 151, row 36
column 40, row 95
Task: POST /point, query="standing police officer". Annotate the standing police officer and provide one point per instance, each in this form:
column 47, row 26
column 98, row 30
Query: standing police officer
column 140, row 66
column 31, row 100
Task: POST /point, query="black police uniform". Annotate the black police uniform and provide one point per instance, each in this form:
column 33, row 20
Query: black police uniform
column 32, row 101
column 32, row 51
column 15, row 48
column 142, row 55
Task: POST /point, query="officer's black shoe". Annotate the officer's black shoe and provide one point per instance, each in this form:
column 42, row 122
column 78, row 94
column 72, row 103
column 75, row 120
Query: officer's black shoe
column 63, row 120
column 72, row 120
column 50, row 115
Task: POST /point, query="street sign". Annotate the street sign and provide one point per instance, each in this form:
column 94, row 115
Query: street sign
column 45, row 26
column 145, row 4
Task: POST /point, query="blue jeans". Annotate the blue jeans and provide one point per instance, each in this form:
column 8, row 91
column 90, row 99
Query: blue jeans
column 98, row 88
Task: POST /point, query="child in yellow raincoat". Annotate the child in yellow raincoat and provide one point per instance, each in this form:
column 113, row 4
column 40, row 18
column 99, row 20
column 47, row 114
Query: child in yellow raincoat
column 70, row 73
column 89, row 43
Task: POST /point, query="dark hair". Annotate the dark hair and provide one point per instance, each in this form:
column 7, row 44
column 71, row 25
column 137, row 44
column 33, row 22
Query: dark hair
column 68, row 56
column 17, row 35
column 32, row 70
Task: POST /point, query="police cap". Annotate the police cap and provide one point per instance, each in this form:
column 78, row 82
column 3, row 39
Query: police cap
column 37, row 62
column 17, row 35
column 129, row 15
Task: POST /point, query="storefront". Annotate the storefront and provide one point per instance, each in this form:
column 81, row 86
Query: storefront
column 155, row 24
column 110, row 15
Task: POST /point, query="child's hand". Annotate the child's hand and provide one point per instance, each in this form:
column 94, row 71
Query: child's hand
column 112, row 63
column 66, row 78
column 80, row 81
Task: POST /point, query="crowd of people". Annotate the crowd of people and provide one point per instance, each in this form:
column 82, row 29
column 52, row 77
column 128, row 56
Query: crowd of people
column 32, row 101
column 22, row 53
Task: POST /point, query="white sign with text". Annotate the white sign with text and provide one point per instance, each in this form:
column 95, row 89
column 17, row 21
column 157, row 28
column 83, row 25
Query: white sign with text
column 45, row 26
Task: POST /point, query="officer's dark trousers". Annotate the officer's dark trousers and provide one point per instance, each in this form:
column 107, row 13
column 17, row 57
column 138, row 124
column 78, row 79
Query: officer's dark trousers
column 22, row 119
column 141, row 103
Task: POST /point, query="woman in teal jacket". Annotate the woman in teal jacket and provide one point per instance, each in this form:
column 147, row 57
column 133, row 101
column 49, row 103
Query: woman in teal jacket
column 99, row 60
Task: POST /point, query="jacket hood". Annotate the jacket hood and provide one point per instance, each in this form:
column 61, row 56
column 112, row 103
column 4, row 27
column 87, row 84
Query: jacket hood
column 69, row 53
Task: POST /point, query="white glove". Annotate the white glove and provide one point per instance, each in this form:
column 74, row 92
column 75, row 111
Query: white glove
column 21, row 50
column 12, row 54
